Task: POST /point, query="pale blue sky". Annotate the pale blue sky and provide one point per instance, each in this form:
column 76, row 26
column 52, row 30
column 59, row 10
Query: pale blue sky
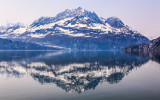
column 141, row 15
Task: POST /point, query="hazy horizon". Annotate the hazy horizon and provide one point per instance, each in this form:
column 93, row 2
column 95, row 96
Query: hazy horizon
column 140, row 15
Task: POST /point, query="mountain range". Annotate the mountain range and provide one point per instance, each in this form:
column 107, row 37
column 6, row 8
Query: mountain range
column 76, row 29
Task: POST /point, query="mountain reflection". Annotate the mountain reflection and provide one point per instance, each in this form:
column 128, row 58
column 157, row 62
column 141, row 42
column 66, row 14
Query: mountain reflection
column 153, row 55
column 71, row 71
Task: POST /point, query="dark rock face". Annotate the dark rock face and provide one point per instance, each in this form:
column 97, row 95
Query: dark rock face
column 154, row 45
column 151, row 50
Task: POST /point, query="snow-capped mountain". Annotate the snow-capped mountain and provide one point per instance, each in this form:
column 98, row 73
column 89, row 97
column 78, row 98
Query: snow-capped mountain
column 78, row 29
column 153, row 46
column 12, row 30
column 71, row 71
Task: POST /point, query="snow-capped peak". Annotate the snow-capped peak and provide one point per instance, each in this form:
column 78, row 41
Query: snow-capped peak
column 80, row 8
column 12, row 30
column 115, row 22
column 78, row 12
column 71, row 13
column 13, row 25
column 76, row 23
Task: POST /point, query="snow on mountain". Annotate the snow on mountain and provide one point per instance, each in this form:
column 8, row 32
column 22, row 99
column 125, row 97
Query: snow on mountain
column 78, row 19
column 75, row 23
column 12, row 30
column 115, row 22
column 64, row 75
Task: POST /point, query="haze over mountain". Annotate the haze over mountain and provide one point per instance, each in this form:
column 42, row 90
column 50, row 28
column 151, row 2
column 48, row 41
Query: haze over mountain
column 76, row 29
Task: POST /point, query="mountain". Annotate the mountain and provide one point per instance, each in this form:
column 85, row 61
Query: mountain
column 115, row 22
column 153, row 46
column 151, row 50
column 11, row 27
column 17, row 45
column 78, row 29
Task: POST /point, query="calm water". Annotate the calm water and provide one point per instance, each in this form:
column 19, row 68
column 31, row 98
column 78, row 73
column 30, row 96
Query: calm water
column 40, row 75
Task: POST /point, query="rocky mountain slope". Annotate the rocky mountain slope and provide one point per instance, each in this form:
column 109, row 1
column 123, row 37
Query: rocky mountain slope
column 154, row 45
column 77, row 29
column 6, row 44
column 151, row 50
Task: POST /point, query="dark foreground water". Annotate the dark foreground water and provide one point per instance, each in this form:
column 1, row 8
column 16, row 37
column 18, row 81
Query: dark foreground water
column 91, row 75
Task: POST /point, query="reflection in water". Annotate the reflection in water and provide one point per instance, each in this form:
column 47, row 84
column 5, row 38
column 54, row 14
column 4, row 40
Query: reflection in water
column 71, row 71
column 153, row 55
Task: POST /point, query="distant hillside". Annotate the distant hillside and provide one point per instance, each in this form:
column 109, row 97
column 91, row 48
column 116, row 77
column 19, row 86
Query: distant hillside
column 154, row 45
column 6, row 44
column 151, row 50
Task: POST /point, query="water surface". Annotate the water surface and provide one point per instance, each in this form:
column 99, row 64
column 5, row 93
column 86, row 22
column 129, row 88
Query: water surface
column 90, row 75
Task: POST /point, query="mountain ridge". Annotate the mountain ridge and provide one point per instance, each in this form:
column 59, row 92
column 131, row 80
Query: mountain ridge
column 154, row 45
column 79, row 29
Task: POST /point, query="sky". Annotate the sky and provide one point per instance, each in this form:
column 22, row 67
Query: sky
column 140, row 15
